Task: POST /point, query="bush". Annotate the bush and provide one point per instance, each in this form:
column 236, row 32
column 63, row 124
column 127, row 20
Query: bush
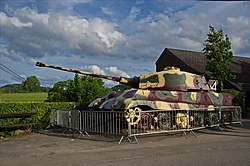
column 43, row 111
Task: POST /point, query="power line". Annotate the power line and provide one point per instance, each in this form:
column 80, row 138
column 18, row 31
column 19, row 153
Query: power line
column 17, row 75
column 11, row 72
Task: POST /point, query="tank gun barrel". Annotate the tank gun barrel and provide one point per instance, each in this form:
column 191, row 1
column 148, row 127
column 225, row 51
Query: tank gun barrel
column 133, row 82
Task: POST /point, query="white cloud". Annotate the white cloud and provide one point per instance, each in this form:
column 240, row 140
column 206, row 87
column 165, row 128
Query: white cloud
column 188, row 30
column 243, row 21
column 94, row 69
column 237, row 42
column 15, row 56
column 113, row 70
column 107, row 11
column 36, row 34
column 110, row 71
column 134, row 12
column 16, row 22
column 158, row 31
column 239, row 33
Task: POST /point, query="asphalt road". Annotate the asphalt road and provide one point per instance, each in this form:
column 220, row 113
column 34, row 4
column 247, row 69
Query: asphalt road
column 211, row 147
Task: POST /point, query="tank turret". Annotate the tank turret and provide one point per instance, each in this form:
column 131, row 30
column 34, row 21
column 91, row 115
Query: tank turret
column 169, row 79
column 172, row 78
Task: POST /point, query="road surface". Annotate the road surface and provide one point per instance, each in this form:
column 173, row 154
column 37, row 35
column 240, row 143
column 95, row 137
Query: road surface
column 211, row 147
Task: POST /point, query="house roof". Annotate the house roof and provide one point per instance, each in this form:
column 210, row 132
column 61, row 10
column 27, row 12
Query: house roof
column 194, row 61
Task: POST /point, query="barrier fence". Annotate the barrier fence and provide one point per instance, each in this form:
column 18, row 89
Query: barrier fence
column 104, row 122
column 144, row 122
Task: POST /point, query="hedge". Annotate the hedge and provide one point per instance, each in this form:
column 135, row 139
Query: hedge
column 42, row 108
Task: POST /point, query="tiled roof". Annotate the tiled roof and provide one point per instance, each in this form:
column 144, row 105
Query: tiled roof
column 193, row 59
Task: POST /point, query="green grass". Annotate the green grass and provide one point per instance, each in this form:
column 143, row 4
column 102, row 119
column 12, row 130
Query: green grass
column 23, row 97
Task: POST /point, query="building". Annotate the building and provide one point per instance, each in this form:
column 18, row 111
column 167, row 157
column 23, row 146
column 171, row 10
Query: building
column 195, row 62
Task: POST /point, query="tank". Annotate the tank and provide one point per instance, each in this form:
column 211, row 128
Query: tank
column 165, row 90
column 170, row 89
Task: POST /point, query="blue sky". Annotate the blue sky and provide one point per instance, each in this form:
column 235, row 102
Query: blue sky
column 113, row 37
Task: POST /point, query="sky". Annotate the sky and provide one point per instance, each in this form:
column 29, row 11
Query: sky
column 112, row 37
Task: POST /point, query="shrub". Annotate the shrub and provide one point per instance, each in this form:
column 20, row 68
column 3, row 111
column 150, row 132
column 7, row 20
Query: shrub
column 43, row 112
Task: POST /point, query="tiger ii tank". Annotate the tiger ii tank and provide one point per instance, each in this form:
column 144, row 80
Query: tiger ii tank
column 170, row 89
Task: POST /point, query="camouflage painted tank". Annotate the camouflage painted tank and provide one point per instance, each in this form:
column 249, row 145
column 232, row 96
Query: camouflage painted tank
column 170, row 89
column 165, row 90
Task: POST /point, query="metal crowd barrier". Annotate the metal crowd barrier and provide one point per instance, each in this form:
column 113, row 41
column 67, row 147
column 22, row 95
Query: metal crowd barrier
column 231, row 115
column 109, row 122
column 69, row 120
column 160, row 121
column 145, row 122
column 185, row 121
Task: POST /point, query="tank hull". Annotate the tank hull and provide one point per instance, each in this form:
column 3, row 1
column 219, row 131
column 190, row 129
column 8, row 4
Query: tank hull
column 158, row 99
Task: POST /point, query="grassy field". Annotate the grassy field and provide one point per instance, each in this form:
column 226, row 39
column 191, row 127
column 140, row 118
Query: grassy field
column 23, row 97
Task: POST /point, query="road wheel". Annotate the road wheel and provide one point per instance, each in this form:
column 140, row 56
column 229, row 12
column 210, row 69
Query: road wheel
column 134, row 115
column 145, row 121
column 164, row 120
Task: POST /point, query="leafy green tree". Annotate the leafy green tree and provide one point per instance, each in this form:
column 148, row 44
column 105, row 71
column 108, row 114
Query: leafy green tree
column 59, row 91
column 18, row 88
column 75, row 89
column 82, row 89
column 31, row 84
column 92, row 88
column 12, row 88
column 217, row 47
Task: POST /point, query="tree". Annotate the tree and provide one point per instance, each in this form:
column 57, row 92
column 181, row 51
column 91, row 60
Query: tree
column 217, row 47
column 92, row 88
column 59, row 91
column 12, row 88
column 74, row 90
column 31, row 84
column 82, row 89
